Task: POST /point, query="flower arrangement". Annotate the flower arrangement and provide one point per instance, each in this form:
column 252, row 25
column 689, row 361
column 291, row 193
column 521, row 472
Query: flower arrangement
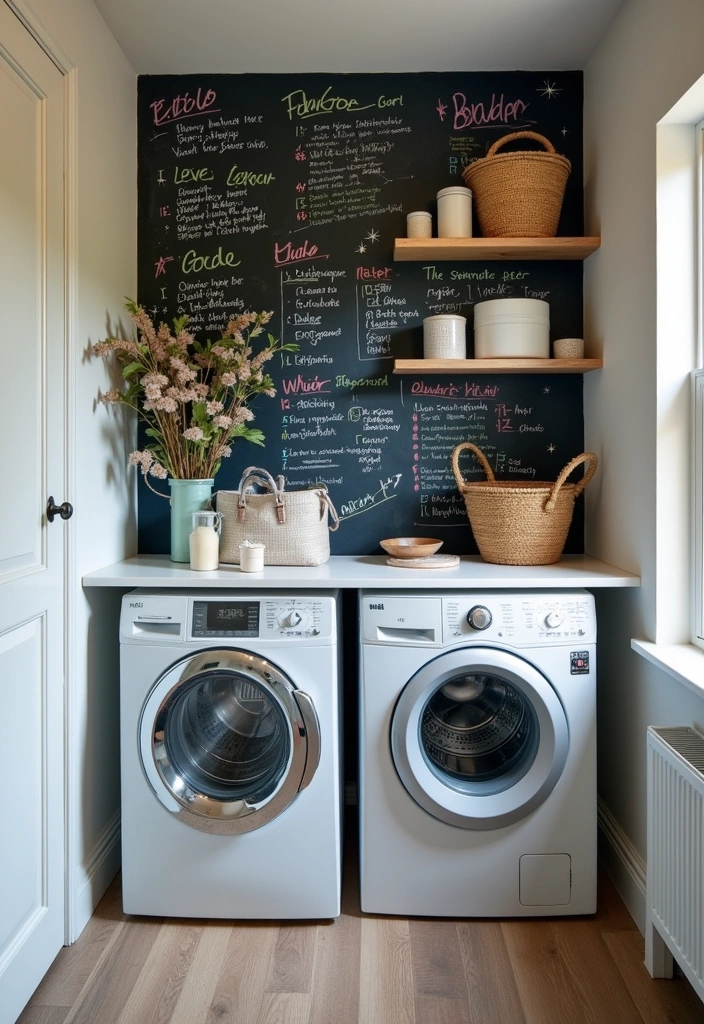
column 193, row 396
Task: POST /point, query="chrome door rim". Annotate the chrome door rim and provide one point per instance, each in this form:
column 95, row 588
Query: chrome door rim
column 425, row 785
column 206, row 813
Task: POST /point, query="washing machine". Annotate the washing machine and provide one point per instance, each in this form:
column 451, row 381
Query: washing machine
column 478, row 753
column 230, row 754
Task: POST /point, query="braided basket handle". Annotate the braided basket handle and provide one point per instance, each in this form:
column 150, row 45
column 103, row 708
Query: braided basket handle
column 520, row 135
column 480, row 456
column 589, row 457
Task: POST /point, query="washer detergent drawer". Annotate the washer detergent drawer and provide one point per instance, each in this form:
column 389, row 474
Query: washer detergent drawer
column 396, row 620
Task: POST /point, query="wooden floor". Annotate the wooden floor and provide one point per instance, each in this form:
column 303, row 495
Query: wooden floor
column 359, row 968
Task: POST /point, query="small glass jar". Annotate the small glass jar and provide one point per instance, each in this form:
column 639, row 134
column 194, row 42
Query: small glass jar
column 454, row 212
column 251, row 556
column 419, row 224
column 204, row 540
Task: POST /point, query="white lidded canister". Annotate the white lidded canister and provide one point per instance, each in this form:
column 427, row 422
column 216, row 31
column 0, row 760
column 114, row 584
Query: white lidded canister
column 445, row 336
column 419, row 224
column 506, row 328
column 454, row 212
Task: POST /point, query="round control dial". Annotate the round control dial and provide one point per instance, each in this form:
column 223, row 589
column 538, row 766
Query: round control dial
column 479, row 617
column 553, row 620
column 293, row 618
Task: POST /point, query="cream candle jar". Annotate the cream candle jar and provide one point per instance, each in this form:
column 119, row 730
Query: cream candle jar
column 419, row 224
column 454, row 212
column 204, row 540
column 251, row 556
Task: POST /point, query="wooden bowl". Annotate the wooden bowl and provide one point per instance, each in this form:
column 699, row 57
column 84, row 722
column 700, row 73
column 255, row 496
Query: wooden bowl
column 410, row 547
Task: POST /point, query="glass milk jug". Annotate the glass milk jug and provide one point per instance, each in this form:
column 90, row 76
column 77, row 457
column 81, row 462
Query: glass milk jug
column 204, row 539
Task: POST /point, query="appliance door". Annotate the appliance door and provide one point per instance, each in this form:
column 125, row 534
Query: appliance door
column 227, row 741
column 479, row 738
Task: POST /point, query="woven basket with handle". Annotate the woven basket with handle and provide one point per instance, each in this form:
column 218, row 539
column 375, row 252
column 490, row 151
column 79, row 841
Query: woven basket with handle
column 520, row 523
column 519, row 194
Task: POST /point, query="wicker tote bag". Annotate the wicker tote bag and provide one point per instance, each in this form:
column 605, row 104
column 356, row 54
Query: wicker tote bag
column 519, row 194
column 292, row 525
column 522, row 523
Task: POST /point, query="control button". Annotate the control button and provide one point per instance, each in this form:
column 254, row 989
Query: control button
column 479, row 617
column 553, row 620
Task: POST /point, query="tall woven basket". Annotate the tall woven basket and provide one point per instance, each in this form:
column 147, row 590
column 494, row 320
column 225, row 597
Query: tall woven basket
column 518, row 195
column 520, row 523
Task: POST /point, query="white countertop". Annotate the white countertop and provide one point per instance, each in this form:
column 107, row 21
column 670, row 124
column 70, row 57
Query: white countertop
column 364, row 571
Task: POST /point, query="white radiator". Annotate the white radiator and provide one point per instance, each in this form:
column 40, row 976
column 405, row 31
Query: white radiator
column 675, row 855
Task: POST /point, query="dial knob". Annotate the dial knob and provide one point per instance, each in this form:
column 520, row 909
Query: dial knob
column 479, row 617
column 553, row 620
column 292, row 619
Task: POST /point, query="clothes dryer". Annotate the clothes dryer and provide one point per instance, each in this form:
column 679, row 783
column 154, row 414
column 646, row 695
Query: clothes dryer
column 477, row 753
column 230, row 754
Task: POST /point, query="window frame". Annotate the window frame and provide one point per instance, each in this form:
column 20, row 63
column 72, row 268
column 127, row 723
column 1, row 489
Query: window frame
column 697, row 630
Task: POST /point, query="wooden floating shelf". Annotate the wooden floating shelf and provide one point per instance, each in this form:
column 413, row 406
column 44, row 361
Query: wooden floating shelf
column 564, row 248
column 425, row 366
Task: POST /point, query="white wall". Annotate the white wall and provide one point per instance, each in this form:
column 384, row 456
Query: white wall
column 102, row 196
column 636, row 409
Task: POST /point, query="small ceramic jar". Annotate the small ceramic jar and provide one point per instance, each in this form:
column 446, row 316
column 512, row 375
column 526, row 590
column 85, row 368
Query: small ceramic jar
column 251, row 556
column 568, row 348
column 444, row 336
column 454, row 212
column 419, row 224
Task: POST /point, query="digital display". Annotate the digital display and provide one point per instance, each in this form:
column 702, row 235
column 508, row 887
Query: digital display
column 232, row 616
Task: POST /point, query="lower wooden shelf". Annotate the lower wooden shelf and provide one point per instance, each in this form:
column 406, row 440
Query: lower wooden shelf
column 424, row 366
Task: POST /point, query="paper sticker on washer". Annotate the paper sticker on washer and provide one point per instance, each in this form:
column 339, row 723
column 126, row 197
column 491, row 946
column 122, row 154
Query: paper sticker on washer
column 579, row 663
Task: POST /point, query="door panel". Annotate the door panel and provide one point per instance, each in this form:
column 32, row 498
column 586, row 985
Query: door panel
column 32, row 466
column 494, row 765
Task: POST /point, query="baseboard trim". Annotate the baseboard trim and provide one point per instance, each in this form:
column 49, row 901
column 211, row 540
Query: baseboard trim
column 622, row 863
column 96, row 873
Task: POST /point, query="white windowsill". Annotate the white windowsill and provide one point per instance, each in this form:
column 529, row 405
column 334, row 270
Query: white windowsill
column 682, row 661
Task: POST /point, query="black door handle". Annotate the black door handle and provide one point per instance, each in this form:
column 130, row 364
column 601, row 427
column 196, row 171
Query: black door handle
column 65, row 510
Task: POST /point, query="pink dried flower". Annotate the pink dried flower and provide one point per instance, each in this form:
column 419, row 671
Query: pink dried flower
column 193, row 410
column 193, row 434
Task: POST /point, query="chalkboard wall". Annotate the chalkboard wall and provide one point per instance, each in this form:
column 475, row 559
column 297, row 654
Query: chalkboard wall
column 284, row 193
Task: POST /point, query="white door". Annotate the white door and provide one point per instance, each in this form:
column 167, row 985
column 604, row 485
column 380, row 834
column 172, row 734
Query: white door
column 32, row 467
column 479, row 738
column 227, row 741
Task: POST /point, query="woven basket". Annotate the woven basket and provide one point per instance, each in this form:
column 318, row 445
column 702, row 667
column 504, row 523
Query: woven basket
column 520, row 523
column 518, row 195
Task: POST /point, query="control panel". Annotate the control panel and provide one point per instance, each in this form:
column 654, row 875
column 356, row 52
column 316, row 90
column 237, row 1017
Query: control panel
column 533, row 618
column 517, row 618
column 229, row 618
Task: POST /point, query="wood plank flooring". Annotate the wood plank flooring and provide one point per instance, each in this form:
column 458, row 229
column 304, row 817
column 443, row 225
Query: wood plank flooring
column 359, row 969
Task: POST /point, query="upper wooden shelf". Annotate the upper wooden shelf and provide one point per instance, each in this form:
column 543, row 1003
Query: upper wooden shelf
column 564, row 248
column 424, row 366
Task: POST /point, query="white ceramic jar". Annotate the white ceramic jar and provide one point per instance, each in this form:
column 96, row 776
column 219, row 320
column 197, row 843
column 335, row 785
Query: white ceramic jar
column 505, row 328
column 251, row 556
column 445, row 337
column 419, row 224
column 454, row 212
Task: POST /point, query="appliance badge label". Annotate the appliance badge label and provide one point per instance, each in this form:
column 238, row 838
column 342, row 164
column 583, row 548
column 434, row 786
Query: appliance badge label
column 579, row 663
